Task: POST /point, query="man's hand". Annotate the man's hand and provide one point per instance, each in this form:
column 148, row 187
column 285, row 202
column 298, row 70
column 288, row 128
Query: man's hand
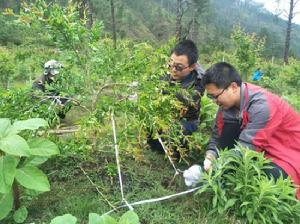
column 207, row 164
column 183, row 111
column 192, row 175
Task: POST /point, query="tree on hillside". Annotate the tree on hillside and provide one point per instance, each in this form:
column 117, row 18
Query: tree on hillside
column 291, row 15
column 86, row 11
column 90, row 13
column 179, row 14
column 18, row 6
column 191, row 10
column 195, row 9
column 113, row 21
column 248, row 48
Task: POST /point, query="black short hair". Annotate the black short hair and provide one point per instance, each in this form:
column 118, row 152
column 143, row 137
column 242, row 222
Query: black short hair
column 221, row 74
column 188, row 48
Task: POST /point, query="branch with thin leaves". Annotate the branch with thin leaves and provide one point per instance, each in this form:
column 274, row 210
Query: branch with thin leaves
column 70, row 99
column 96, row 96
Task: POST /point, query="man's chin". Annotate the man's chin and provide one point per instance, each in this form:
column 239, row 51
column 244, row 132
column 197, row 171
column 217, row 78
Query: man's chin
column 175, row 77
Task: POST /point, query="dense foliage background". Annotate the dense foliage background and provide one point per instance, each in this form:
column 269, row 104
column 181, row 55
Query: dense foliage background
column 123, row 80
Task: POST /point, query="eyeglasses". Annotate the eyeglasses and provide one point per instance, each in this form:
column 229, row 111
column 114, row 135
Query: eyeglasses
column 216, row 96
column 177, row 67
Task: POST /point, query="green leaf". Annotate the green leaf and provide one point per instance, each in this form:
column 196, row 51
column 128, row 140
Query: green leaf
column 4, row 126
column 104, row 219
column 239, row 186
column 129, row 217
column 229, row 203
column 8, row 166
column 202, row 189
column 33, row 178
column 6, row 204
column 35, row 160
column 65, row 219
column 221, row 209
column 262, row 218
column 30, row 124
column 42, row 147
column 250, row 215
column 245, row 203
column 215, row 200
column 94, row 218
column 14, row 145
column 20, row 215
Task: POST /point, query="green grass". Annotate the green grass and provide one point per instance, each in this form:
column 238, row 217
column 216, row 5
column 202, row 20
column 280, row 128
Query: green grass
column 147, row 176
column 71, row 191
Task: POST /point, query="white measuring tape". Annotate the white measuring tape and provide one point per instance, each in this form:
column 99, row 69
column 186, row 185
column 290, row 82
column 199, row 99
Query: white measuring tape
column 166, row 152
column 118, row 161
column 129, row 205
column 155, row 199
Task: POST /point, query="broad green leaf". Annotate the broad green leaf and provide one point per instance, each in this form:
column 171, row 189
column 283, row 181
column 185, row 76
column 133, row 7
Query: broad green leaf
column 202, row 189
column 215, row 200
column 30, row 124
column 250, row 215
column 4, row 126
column 104, row 219
column 245, row 203
column 263, row 219
column 129, row 217
column 6, row 204
column 220, row 209
column 20, row 215
column 65, row 219
column 42, row 147
column 33, row 178
column 8, row 166
column 14, row 145
column 35, row 160
column 229, row 203
column 94, row 218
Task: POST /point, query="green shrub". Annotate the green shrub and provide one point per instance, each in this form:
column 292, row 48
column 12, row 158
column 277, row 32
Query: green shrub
column 248, row 48
column 293, row 100
column 21, row 104
column 6, row 67
column 239, row 185
column 10, row 32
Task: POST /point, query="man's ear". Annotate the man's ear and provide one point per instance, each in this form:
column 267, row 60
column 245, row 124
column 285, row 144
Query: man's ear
column 234, row 86
column 192, row 67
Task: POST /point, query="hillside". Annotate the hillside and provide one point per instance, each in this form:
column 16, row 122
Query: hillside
column 154, row 21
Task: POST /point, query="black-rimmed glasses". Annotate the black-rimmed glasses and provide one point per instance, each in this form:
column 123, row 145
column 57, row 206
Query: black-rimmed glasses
column 178, row 68
column 216, row 96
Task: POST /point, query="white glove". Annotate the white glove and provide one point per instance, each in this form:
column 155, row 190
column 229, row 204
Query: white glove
column 207, row 164
column 192, row 175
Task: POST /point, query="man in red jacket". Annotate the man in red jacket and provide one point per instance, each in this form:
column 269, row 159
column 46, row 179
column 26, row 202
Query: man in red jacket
column 255, row 118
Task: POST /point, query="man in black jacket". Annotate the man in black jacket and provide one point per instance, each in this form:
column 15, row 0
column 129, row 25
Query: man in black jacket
column 185, row 71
